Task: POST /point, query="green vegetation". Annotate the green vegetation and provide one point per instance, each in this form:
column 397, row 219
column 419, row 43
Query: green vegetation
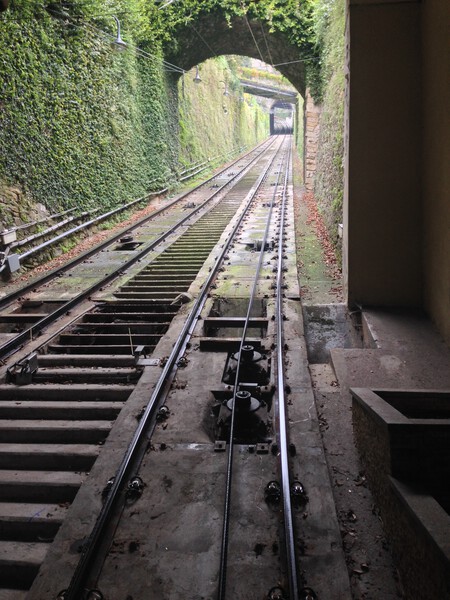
column 329, row 185
column 292, row 18
column 80, row 124
column 224, row 122
column 84, row 125
column 274, row 79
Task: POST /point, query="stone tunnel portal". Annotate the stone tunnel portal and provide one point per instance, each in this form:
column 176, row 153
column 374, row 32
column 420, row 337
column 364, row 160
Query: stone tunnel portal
column 281, row 118
column 213, row 36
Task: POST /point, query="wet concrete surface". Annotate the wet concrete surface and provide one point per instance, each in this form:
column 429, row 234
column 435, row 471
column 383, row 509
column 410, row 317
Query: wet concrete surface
column 168, row 541
column 329, row 326
column 386, row 349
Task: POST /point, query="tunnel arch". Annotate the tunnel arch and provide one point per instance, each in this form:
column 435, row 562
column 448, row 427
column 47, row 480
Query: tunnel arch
column 283, row 105
column 210, row 31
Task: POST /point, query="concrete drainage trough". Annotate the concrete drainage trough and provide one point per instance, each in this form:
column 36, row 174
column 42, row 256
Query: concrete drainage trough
column 403, row 437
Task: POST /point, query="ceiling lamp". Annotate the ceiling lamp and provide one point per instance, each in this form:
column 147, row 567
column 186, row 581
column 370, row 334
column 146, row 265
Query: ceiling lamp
column 118, row 43
column 197, row 78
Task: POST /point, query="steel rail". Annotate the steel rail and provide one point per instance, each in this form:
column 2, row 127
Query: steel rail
column 85, row 225
column 193, row 167
column 48, row 231
column 32, row 224
column 229, row 475
column 27, row 334
column 291, row 553
column 5, row 300
column 127, row 465
column 187, row 173
column 78, row 260
column 191, row 175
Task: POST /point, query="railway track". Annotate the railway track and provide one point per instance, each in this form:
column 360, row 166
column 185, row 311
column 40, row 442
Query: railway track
column 150, row 437
column 11, row 260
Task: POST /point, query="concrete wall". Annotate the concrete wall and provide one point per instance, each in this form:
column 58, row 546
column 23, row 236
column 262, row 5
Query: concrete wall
column 382, row 225
column 396, row 247
column 436, row 159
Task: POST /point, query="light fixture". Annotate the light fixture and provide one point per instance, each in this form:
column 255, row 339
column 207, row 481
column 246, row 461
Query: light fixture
column 226, row 92
column 118, row 43
column 197, row 78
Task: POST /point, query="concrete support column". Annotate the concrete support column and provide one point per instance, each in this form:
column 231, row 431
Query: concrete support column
column 436, row 160
column 382, row 204
column 312, row 130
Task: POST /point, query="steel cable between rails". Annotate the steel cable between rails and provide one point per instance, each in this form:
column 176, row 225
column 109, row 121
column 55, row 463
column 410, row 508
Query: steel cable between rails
column 128, row 466
column 291, row 554
column 229, row 475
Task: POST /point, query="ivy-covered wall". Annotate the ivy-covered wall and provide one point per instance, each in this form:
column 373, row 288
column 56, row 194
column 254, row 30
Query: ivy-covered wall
column 212, row 123
column 280, row 32
column 80, row 124
column 85, row 125
column 329, row 179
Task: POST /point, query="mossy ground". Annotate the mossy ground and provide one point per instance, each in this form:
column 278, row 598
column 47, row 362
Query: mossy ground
column 318, row 285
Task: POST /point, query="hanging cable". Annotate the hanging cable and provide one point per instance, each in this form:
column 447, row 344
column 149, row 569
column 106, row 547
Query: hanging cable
column 166, row 4
column 267, row 45
column 169, row 66
column 254, row 39
column 203, row 39
column 166, row 65
column 291, row 62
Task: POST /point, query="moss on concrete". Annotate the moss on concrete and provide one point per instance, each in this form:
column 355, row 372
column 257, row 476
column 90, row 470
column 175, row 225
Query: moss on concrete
column 329, row 182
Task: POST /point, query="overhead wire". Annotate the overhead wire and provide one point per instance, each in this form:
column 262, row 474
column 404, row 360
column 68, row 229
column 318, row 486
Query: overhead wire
column 291, row 62
column 267, row 45
column 254, row 39
column 170, row 67
column 166, row 65
column 203, row 39
column 166, row 4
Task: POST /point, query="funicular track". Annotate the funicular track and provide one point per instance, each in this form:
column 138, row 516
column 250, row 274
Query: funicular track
column 195, row 492
column 58, row 403
column 120, row 491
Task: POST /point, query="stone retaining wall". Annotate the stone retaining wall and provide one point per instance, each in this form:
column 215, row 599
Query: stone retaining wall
column 312, row 130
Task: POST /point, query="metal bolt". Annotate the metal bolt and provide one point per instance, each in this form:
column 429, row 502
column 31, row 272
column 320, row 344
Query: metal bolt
column 307, row 593
column 163, row 413
column 135, row 488
column 298, row 494
column 106, row 491
column 272, row 493
column 276, row 593
column 94, row 595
